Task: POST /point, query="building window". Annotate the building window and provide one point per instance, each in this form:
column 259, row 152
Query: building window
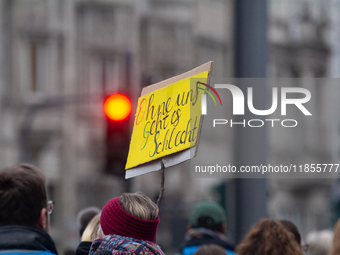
column 33, row 57
column 104, row 76
column 34, row 68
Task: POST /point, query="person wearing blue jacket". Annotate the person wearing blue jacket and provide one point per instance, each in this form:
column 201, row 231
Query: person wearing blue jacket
column 207, row 226
column 24, row 212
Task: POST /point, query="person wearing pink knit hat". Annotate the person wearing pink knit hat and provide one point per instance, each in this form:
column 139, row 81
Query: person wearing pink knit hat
column 129, row 223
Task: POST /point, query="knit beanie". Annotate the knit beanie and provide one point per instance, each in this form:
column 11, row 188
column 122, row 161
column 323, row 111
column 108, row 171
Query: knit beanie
column 207, row 214
column 115, row 220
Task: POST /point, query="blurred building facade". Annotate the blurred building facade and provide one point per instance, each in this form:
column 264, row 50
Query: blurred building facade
column 302, row 45
column 59, row 58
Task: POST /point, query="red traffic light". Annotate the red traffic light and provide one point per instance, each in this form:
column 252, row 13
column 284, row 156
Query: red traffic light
column 117, row 107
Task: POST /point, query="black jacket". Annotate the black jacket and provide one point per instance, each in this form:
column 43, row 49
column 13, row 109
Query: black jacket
column 23, row 240
column 83, row 248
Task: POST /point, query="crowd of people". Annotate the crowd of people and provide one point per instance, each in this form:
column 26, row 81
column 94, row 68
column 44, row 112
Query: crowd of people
column 127, row 225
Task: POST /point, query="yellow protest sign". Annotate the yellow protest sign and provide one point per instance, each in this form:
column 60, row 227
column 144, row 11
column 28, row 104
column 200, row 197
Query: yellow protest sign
column 167, row 120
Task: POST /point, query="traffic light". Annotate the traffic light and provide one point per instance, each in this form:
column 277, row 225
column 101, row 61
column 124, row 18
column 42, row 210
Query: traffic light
column 117, row 108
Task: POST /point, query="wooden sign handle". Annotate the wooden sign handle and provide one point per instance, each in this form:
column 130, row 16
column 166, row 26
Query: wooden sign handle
column 162, row 185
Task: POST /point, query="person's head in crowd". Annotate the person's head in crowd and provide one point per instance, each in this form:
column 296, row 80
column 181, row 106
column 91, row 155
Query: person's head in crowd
column 92, row 230
column 129, row 224
column 320, row 242
column 336, row 239
column 209, row 215
column 85, row 216
column 207, row 225
column 269, row 237
column 290, row 226
column 24, row 211
column 293, row 229
column 132, row 215
column 23, row 198
column 210, row 249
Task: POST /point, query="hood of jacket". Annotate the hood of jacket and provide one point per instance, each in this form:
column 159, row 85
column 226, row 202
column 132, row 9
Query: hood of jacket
column 25, row 238
column 121, row 245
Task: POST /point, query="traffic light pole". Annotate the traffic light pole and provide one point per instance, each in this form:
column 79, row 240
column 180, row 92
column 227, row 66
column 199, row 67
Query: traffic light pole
column 117, row 108
column 250, row 61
